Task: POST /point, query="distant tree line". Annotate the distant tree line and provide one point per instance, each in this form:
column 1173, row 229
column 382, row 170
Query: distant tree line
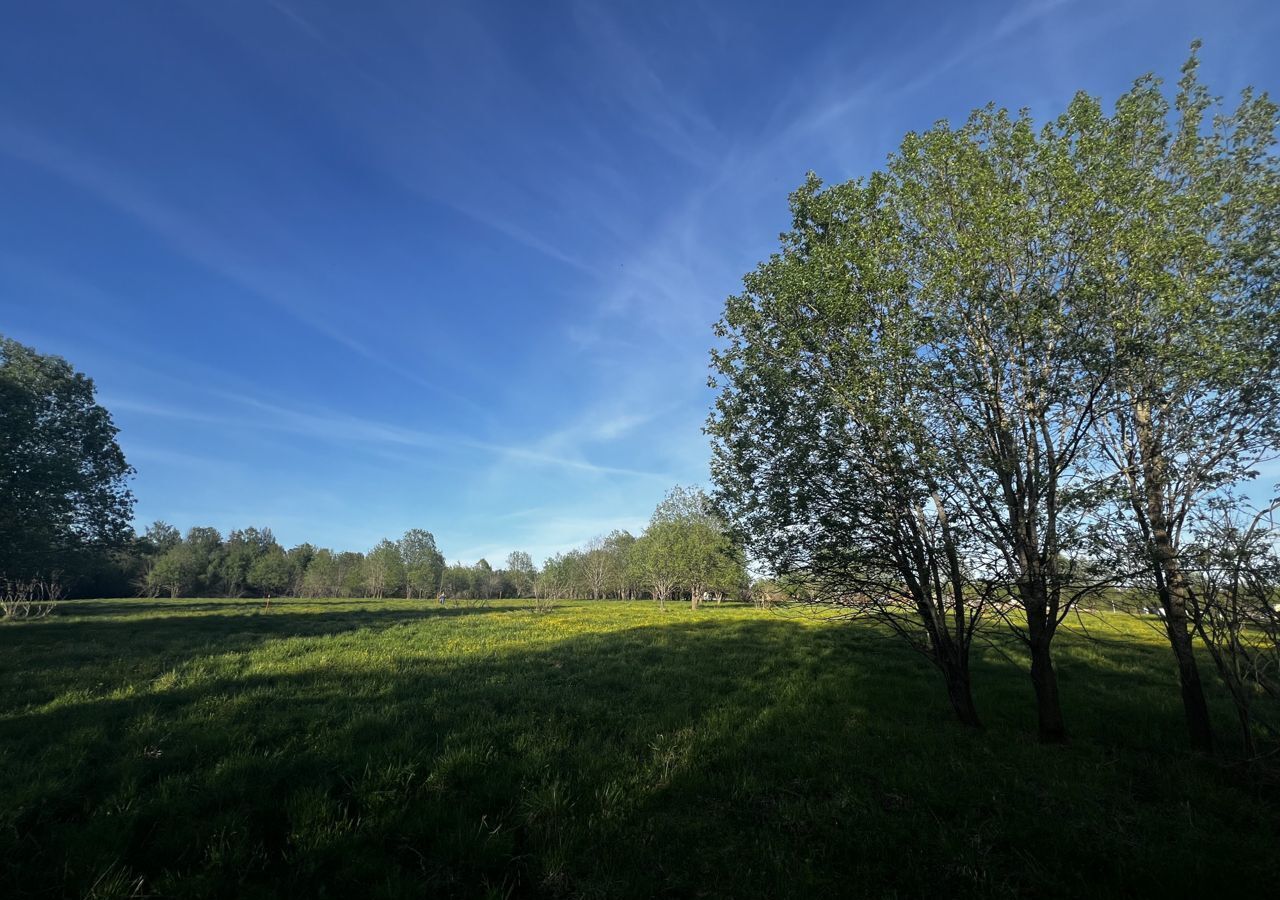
column 65, row 508
column 250, row 562
column 685, row 553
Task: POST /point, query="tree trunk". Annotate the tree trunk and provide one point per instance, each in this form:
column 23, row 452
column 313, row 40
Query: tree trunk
column 1171, row 583
column 1173, row 591
column 1053, row 729
column 960, row 694
column 1199, row 725
column 1035, row 592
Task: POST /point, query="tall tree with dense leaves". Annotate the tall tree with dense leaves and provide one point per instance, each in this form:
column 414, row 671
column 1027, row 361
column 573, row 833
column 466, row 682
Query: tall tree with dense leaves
column 349, row 573
column 63, row 481
column 300, row 558
column 618, row 544
column 175, row 572
column 383, row 569
column 160, row 536
column 240, row 554
column 1188, row 266
column 521, row 571
column 657, row 554
column 1027, row 281
column 271, row 572
column 206, row 552
column 821, row 454
column 423, row 563
column 321, row 578
column 996, row 220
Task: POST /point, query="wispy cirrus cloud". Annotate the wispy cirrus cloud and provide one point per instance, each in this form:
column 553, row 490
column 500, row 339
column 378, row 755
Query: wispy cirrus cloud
column 654, row 108
column 328, row 166
column 327, row 425
column 199, row 243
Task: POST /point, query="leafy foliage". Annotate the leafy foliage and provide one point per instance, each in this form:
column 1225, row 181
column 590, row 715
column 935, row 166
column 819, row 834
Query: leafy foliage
column 935, row 395
column 63, row 481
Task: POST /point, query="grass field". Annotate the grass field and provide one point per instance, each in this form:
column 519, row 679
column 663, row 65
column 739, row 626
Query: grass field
column 208, row 748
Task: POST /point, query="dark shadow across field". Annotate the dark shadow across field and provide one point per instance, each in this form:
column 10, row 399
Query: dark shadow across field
column 744, row 757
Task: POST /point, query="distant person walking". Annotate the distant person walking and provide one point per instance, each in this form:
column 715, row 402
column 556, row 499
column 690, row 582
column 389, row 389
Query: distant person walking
column 440, row 599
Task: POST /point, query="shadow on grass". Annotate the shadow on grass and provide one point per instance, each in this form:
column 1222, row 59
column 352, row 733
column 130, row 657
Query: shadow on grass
column 711, row 758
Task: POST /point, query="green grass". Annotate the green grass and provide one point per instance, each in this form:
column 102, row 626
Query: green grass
column 208, row 748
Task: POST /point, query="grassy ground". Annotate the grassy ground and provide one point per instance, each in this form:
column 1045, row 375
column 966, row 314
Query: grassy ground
column 208, row 748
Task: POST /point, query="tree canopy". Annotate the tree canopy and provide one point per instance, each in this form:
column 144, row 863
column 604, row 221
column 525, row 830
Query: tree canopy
column 1003, row 369
column 64, row 480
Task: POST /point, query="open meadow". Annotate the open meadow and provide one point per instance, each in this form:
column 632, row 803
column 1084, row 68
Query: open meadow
column 211, row 748
column 900, row 382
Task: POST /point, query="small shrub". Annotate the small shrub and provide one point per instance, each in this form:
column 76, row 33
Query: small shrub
column 32, row 599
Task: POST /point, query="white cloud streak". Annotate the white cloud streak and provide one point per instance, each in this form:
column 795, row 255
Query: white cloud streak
column 185, row 234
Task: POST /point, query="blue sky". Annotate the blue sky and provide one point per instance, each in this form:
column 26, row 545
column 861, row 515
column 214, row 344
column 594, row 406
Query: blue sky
column 346, row 269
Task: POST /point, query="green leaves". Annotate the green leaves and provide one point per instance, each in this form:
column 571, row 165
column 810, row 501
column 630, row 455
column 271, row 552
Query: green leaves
column 974, row 349
column 63, row 477
column 996, row 293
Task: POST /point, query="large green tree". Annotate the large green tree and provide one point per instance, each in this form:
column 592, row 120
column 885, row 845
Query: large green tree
column 822, row 454
column 1187, row 265
column 349, row 574
column 950, row 366
column 175, row 572
column 522, row 573
column 271, row 573
column 242, row 551
column 64, row 480
column 914, row 361
column 688, row 548
column 423, row 563
column 321, row 578
column 658, row 557
column 383, row 569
